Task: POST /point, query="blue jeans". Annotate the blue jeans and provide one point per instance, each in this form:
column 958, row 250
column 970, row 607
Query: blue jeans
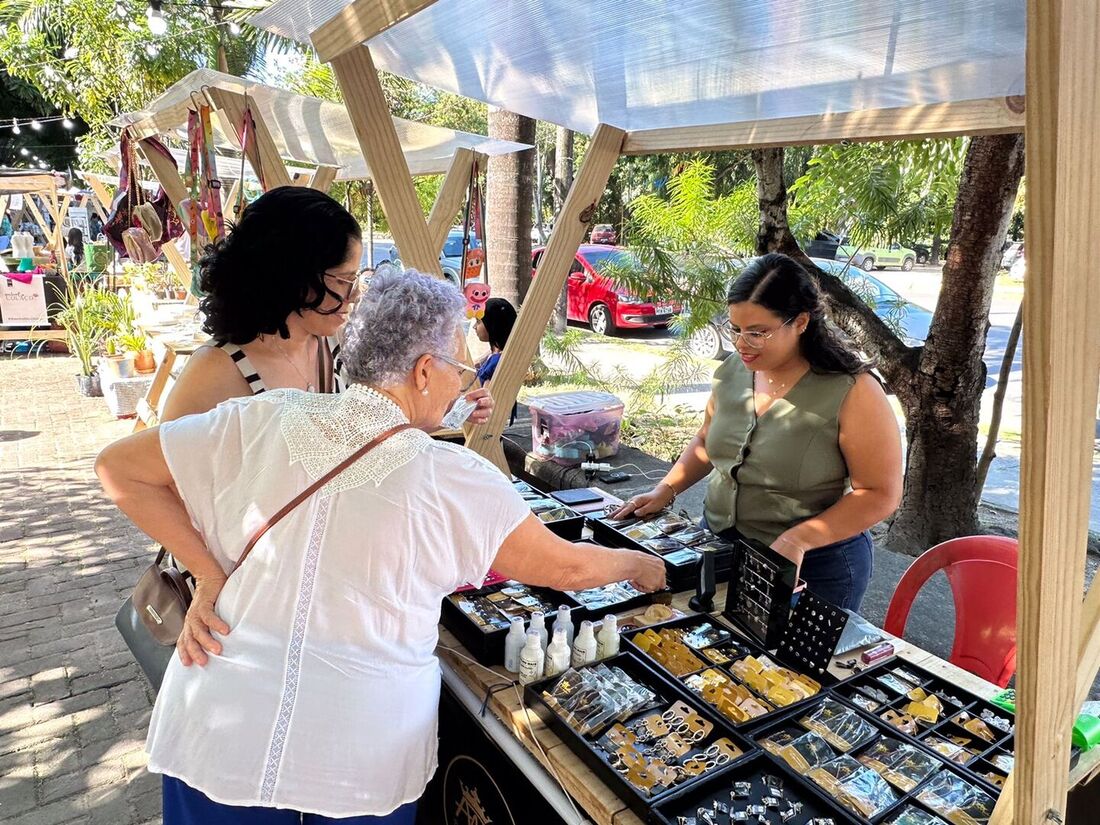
column 183, row 805
column 838, row 573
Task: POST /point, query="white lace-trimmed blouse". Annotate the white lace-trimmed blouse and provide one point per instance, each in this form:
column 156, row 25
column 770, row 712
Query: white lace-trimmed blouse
column 325, row 697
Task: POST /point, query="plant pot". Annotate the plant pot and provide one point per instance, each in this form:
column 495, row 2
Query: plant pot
column 117, row 366
column 89, row 385
column 181, row 294
column 144, row 362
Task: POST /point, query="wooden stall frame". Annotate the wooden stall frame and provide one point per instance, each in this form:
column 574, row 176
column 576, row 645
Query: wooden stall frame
column 1059, row 653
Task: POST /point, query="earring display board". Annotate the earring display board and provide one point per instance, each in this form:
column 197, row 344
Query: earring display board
column 812, row 634
column 758, row 599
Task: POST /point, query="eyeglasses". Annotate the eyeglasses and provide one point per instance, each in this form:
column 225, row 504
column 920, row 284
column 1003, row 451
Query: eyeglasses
column 461, row 367
column 756, row 339
column 347, row 286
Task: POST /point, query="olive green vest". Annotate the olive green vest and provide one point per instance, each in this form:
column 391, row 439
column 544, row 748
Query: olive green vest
column 772, row 472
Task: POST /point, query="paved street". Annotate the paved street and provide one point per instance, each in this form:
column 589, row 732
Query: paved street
column 73, row 706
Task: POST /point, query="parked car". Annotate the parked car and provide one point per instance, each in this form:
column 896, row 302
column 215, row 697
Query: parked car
column 911, row 321
column 604, row 233
column 450, row 258
column 593, row 298
column 878, row 257
column 923, row 250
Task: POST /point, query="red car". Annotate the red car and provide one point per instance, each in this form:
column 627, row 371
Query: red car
column 603, row 233
column 597, row 300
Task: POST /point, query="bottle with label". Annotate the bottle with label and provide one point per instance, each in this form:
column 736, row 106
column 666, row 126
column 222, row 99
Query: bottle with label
column 538, row 624
column 513, row 644
column 584, row 647
column 557, row 654
column 565, row 621
column 531, row 659
column 607, row 641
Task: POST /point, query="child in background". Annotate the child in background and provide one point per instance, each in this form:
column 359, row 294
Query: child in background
column 494, row 330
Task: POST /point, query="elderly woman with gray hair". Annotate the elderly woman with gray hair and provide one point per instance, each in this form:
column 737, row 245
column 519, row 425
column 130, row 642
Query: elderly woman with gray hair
column 318, row 687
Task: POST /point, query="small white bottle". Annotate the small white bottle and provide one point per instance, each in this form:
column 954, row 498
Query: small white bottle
column 531, row 659
column 584, row 647
column 538, row 624
column 565, row 621
column 513, row 644
column 557, row 653
column 607, row 640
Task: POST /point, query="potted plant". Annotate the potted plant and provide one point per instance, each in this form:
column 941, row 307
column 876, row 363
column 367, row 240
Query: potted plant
column 117, row 314
column 137, row 343
column 84, row 333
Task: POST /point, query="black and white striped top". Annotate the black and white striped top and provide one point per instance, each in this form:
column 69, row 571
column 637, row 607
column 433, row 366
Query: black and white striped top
column 329, row 365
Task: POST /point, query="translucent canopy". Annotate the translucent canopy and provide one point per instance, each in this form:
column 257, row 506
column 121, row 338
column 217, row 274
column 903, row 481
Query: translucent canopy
column 657, row 64
column 228, row 167
column 314, row 131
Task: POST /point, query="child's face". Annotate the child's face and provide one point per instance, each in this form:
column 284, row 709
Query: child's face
column 482, row 333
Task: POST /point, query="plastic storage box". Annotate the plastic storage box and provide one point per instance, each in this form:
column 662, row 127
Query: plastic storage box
column 567, row 427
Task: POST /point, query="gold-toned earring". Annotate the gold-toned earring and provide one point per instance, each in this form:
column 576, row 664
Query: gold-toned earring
column 424, row 391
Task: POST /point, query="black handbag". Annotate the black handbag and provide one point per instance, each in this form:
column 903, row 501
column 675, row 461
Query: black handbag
column 151, row 619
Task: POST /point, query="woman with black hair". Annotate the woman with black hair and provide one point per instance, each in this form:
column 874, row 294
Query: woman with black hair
column 278, row 291
column 74, row 246
column 799, row 441
column 494, row 329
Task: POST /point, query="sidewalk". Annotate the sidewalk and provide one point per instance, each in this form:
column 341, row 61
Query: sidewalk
column 73, row 706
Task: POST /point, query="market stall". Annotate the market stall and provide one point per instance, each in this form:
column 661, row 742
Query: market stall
column 708, row 74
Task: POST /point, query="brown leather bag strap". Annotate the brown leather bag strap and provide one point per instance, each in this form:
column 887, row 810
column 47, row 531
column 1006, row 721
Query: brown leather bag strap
column 315, row 486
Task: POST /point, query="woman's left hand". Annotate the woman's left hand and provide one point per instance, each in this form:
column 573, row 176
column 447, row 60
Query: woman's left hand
column 484, row 403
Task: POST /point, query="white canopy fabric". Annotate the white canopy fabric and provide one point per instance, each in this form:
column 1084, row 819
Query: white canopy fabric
column 311, row 130
column 653, row 64
column 229, row 167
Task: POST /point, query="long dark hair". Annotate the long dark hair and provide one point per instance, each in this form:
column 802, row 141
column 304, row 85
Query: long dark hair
column 76, row 241
column 780, row 284
column 273, row 262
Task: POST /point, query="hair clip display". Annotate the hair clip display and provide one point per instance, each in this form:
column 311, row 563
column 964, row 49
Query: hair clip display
column 902, row 765
column 616, row 596
column 854, row 786
column 841, row 727
column 956, row 799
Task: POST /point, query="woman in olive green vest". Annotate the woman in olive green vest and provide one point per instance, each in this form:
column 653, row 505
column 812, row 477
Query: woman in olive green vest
column 800, row 444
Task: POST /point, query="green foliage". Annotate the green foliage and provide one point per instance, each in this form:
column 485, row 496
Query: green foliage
column 879, row 193
column 95, row 320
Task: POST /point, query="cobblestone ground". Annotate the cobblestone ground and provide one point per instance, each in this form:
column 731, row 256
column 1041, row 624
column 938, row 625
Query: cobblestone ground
column 73, row 706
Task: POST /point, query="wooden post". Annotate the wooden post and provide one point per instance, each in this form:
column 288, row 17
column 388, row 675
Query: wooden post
column 264, row 154
column 100, row 189
column 166, row 173
column 569, row 230
column 323, row 178
column 1060, row 386
column 370, row 115
column 451, row 196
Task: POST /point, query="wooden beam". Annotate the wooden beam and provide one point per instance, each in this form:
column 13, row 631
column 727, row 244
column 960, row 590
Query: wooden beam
column 572, row 223
column 165, row 171
column 323, row 178
column 359, row 22
column 1060, row 386
column 264, row 154
column 451, row 196
column 988, row 116
column 374, row 127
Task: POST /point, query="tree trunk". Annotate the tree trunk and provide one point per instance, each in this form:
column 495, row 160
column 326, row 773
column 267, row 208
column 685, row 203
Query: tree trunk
column 936, row 251
column 563, row 180
column 940, row 499
column 508, row 206
column 538, row 197
column 774, row 234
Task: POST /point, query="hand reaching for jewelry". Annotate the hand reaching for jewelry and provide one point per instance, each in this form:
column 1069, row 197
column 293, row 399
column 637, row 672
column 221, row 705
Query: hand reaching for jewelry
column 201, row 621
column 646, row 504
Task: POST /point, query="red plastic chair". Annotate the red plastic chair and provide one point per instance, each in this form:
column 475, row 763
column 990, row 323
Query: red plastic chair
column 982, row 574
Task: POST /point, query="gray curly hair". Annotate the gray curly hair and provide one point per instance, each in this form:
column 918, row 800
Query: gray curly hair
column 402, row 316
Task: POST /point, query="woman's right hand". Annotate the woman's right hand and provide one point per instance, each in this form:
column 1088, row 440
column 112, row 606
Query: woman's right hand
column 196, row 640
column 646, row 504
column 650, row 572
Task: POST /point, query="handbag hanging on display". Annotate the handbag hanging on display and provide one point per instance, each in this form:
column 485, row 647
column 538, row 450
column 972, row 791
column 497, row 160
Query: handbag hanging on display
column 151, row 619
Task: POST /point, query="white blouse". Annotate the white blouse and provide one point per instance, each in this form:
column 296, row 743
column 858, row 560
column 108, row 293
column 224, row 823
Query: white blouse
column 325, row 697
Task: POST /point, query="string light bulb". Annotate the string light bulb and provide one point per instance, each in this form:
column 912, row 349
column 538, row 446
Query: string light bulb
column 67, row 122
column 158, row 23
column 24, row 151
column 36, row 126
column 15, row 130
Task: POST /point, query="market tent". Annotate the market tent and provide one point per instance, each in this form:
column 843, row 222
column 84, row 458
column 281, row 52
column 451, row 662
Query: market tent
column 653, row 76
column 307, row 129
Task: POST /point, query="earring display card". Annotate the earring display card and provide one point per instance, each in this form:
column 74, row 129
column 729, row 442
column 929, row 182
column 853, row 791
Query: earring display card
column 732, row 675
column 559, row 518
column 812, row 633
column 969, row 732
column 758, row 597
column 643, row 735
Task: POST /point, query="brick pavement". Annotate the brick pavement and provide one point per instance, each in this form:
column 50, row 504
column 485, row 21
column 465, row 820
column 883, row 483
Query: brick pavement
column 74, row 708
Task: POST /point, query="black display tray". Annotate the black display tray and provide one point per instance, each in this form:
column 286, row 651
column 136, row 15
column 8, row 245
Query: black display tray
column 488, row 647
column 947, row 725
column 686, row 802
column 569, row 528
column 882, row 729
column 759, row 590
column 749, row 647
column 584, row 748
column 680, row 574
